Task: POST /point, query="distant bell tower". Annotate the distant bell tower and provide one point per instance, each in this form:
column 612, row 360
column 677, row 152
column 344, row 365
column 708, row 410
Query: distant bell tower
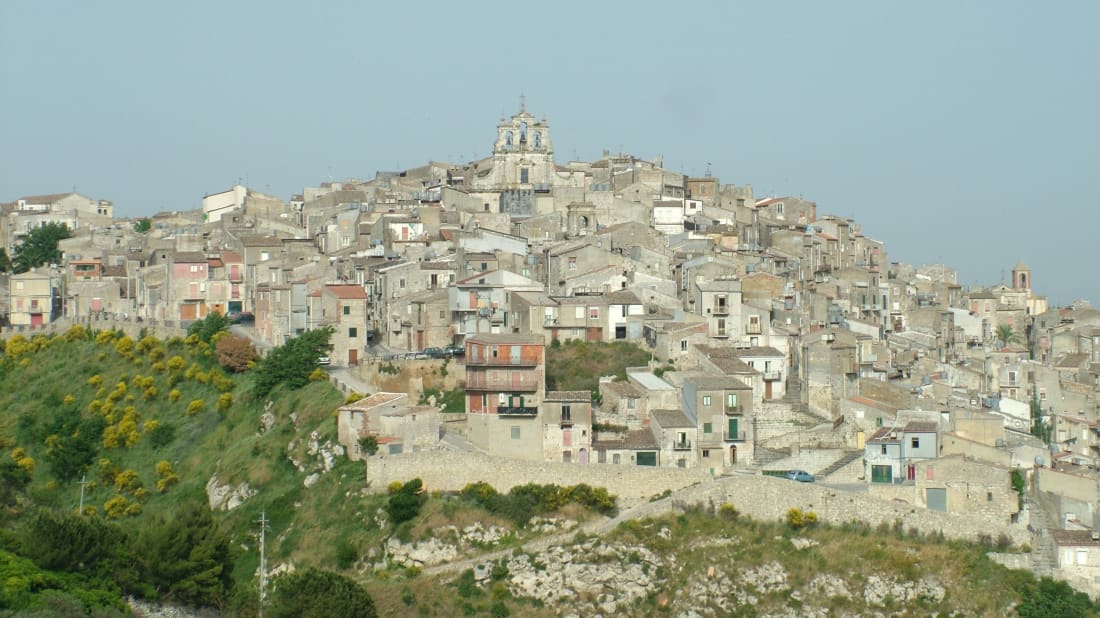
column 523, row 155
column 1021, row 277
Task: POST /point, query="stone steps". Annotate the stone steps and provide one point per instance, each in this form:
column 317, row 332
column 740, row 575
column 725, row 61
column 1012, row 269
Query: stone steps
column 843, row 461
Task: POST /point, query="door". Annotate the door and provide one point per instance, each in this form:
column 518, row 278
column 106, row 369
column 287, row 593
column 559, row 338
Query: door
column 732, row 429
column 936, row 499
column 647, row 459
column 594, row 333
column 353, row 357
column 36, row 319
column 733, row 454
column 911, row 472
column 583, row 455
column 882, row 474
column 767, row 390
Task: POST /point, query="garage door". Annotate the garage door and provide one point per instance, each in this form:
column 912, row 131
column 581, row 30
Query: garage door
column 937, row 499
column 189, row 311
column 882, row 474
column 647, row 459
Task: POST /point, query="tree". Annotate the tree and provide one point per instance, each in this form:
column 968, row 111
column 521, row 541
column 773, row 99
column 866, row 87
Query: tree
column 209, row 326
column 1054, row 598
column 40, row 247
column 234, row 353
column 143, row 225
column 292, row 362
column 1006, row 335
column 186, row 557
column 5, row 261
column 322, row 594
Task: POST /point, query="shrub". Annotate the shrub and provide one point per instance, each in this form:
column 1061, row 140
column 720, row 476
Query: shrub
column 368, row 445
column 174, row 395
column 225, row 401
column 160, row 434
column 404, row 504
column 196, row 406
column 234, row 353
column 728, row 511
column 797, row 518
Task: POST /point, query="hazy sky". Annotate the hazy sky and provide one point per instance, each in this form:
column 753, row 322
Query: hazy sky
column 961, row 132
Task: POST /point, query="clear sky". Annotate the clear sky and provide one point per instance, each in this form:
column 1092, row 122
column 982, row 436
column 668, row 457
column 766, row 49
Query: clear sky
column 957, row 132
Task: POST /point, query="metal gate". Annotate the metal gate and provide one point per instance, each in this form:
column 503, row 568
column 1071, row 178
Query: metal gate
column 936, row 499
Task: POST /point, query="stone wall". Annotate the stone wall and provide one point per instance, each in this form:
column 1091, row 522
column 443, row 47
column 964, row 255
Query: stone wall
column 757, row 496
column 157, row 328
column 451, row 471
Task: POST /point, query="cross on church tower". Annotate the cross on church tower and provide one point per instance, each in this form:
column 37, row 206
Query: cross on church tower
column 522, row 103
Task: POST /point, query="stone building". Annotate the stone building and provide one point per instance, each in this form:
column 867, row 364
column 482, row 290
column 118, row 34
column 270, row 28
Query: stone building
column 505, row 390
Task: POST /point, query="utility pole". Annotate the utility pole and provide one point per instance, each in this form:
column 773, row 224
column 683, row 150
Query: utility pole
column 82, row 483
column 263, row 559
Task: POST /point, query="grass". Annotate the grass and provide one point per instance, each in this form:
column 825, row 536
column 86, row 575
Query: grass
column 577, row 365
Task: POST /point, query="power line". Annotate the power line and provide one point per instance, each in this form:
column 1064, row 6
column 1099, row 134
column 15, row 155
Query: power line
column 263, row 521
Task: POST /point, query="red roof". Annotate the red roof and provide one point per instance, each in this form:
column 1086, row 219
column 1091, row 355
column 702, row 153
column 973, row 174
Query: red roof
column 347, row 291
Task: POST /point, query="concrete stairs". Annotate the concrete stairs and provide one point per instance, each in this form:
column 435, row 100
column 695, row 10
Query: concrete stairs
column 846, row 459
column 1044, row 553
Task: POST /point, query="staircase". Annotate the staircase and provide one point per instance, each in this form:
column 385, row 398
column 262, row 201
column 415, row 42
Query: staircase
column 848, row 458
column 1044, row 553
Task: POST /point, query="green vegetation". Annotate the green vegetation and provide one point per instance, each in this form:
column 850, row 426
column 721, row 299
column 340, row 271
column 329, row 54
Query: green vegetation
column 1006, row 335
column 143, row 225
column 209, row 327
column 405, row 501
column 292, row 363
column 5, row 261
column 40, row 247
column 526, row 501
column 577, row 365
column 453, row 402
column 321, row 594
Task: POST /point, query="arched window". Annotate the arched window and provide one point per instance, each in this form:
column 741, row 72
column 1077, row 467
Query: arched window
column 538, row 139
column 523, row 132
column 508, row 138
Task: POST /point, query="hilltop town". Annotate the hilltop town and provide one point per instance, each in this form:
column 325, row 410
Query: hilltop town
column 780, row 339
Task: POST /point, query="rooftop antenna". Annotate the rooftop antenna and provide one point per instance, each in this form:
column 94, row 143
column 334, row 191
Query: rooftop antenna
column 522, row 103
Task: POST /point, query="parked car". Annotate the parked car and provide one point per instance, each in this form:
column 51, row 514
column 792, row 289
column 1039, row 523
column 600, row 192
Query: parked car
column 801, row 476
column 455, row 350
column 324, row 360
column 436, row 353
column 416, row 356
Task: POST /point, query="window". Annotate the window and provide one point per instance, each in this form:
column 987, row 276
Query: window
column 524, row 176
column 19, row 285
column 989, row 496
column 706, row 400
column 915, row 442
column 706, row 452
column 194, row 268
column 593, row 313
column 572, row 263
column 731, row 400
column 442, row 314
column 707, row 429
column 615, row 458
column 353, row 332
column 484, row 266
column 1042, row 394
column 566, row 413
column 347, row 309
column 579, row 314
column 630, row 403
column 883, row 449
column 264, row 256
column 683, row 345
column 515, row 432
column 401, row 283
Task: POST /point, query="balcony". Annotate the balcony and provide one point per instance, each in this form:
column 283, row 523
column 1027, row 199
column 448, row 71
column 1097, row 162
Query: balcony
column 682, row 445
column 734, row 437
column 498, row 384
column 734, row 411
column 500, row 361
column 752, row 328
column 549, row 322
column 524, row 411
column 772, row 376
column 720, row 310
column 566, row 421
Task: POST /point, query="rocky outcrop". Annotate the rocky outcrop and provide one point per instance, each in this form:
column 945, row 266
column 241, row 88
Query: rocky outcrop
column 228, row 496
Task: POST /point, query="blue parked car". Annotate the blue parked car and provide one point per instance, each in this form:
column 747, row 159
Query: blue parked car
column 801, row 476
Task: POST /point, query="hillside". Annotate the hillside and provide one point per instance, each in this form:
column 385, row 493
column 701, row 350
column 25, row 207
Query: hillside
column 155, row 427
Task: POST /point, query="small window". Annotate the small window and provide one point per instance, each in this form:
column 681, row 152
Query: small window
column 593, row 313
column 615, row 458
column 706, row 400
column 401, row 284
column 566, row 413
column 443, row 314
column 731, row 400
column 683, row 345
column 572, row 263
column 915, row 442
column 524, row 176
column 989, row 496
column 706, row 452
column 883, row 449
column 707, row 429
column 515, row 432
column 347, row 309
column 353, row 332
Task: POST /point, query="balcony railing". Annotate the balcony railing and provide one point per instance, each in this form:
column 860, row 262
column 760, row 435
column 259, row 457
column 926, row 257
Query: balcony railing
column 475, row 382
column 752, row 328
column 548, row 322
column 738, row 436
column 517, row 411
column 772, row 376
column 720, row 310
column 500, row 361
column 734, row 411
column 682, row 445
